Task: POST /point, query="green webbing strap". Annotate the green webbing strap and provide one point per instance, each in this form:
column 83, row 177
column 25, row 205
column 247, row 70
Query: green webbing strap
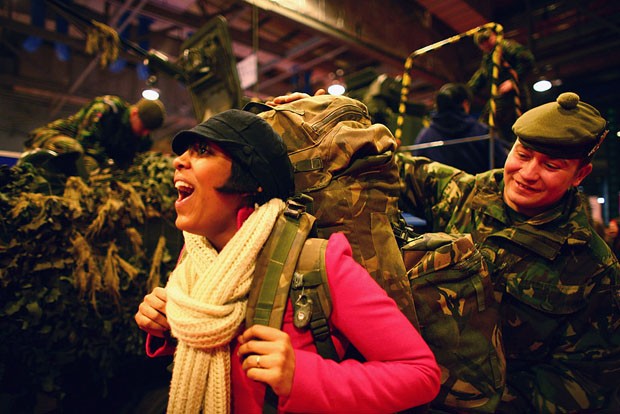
column 311, row 164
column 314, row 284
column 275, row 265
column 479, row 288
column 281, row 251
column 271, row 282
column 320, row 332
column 268, row 292
column 270, row 406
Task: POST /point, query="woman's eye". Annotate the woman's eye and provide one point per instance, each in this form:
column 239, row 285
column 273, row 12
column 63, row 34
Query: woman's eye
column 201, row 148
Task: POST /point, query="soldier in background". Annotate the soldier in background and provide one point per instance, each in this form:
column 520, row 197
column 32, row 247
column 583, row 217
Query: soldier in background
column 516, row 64
column 108, row 131
column 451, row 120
column 612, row 236
column 557, row 281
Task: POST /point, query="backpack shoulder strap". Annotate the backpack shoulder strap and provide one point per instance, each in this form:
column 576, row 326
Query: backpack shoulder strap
column 273, row 275
column 310, row 296
column 275, row 265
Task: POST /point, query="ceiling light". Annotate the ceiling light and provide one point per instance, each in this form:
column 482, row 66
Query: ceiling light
column 150, row 93
column 542, row 85
column 335, row 89
column 337, row 85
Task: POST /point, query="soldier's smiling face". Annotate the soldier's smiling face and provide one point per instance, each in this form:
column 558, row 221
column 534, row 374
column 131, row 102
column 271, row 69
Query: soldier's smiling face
column 535, row 182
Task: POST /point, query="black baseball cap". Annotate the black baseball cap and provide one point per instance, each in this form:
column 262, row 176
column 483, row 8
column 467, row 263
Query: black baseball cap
column 251, row 142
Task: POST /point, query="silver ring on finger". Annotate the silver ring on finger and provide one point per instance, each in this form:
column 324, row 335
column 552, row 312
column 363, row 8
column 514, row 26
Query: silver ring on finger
column 257, row 361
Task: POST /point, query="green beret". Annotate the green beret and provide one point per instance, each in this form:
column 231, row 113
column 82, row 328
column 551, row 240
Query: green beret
column 566, row 128
column 151, row 113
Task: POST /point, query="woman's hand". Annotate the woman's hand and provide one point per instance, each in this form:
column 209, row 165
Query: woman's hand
column 268, row 356
column 151, row 315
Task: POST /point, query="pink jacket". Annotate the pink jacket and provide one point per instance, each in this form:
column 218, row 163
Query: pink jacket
column 400, row 371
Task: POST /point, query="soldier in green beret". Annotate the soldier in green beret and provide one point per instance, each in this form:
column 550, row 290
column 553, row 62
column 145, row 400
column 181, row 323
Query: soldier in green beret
column 556, row 280
column 107, row 131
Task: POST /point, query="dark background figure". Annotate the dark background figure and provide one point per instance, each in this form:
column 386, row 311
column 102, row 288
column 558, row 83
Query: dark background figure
column 612, row 235
column 108, row 131
column 452, row 120
column 513, row 96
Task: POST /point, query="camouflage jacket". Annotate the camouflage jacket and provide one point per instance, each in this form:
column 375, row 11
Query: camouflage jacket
column 516, row 55
column 556, row 279
column 103, row 129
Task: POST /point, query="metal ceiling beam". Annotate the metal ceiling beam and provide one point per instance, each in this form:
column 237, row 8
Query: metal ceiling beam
column 376, row 51
column 308, row 65
column 295, row 52
column 456, row 14
column 373, row 49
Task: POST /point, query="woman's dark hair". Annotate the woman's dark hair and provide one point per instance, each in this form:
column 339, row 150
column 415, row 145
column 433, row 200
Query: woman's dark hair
column 241, row 181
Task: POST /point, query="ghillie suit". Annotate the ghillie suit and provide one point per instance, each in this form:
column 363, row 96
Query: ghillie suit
column 74, row 266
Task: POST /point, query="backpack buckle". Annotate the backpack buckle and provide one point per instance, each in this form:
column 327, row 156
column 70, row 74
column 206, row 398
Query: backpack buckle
column 296, row 205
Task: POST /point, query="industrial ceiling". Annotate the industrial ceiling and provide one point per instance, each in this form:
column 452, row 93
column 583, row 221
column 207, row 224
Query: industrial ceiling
column 303, row 45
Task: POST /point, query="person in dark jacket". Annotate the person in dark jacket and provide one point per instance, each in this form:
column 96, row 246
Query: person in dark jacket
column 451, row 121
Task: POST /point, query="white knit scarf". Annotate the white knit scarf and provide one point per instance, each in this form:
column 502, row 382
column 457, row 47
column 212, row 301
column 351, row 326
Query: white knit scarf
column 207, row 298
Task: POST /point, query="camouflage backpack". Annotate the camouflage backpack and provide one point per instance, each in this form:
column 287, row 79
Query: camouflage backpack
column 291, row 266
column 459, row 319
column 346, row 165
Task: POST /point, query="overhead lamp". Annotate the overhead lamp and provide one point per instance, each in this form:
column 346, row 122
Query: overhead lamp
column 336, row 89
column 151, row 92
column 337, row 85
column 542, row 85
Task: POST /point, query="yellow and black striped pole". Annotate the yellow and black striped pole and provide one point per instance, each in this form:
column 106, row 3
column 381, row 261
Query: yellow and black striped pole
column 497, row 61
column 406, row 81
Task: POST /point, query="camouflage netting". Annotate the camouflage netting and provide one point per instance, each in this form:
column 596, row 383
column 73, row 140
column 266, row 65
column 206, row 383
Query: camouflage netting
column 73, row 268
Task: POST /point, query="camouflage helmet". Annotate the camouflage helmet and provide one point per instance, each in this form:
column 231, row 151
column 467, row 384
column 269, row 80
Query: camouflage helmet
column 567, row 128
column 252, row 143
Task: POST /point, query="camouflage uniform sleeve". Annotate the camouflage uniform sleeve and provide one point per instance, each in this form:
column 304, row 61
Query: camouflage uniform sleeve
column 431, row 190
column 480, row 78
column 90, row 123
column 520, row 58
